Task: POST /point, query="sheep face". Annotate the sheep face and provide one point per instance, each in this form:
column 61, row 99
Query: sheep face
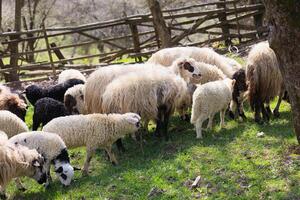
column 189, row 71
column 18, row 107
column 37, row 168
column 33, row 93
column 64, row 172
column 133, row 121
column 70, row 103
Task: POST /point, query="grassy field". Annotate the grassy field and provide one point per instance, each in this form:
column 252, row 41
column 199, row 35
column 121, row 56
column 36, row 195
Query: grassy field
column 233, row 164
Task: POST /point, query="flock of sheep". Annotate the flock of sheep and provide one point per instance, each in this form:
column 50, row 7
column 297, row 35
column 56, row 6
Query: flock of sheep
column 118, row 100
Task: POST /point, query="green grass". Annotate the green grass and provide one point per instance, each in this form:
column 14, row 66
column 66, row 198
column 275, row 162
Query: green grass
column 233, row 164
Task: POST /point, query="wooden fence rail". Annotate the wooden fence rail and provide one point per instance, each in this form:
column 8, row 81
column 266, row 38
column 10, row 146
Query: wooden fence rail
column 183, row 23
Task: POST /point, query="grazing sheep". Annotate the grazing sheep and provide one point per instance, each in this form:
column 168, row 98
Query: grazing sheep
column 98, row 80
column 12, row 102
column 57, row 92
column 46, row 109
column 94, row 131
column 151, row 93
column 70, row 74
column 11, row 124
column 265, row 80
column 17, row 161
column 54, row 151
column 74, row 99
column 208, row 99
column 166, row 57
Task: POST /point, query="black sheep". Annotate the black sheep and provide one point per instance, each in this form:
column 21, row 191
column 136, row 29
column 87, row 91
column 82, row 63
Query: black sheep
column 45, row 110
column 57, row 92
column 239, row 88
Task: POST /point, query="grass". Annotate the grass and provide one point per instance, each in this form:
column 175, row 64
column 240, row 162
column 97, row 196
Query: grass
column 233, row 164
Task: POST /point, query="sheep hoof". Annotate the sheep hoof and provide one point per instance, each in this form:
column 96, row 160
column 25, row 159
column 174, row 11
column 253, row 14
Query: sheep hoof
column 276, row 113
column 259, row 121
column 22, row 189
column 231, row 115
column 114, row 163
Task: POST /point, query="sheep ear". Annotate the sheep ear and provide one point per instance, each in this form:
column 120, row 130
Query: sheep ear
column 132, row 120
column 59, row 170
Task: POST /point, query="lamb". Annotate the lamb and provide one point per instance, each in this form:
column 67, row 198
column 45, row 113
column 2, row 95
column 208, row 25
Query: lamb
column 12, row 102
column 151, row 93
column 98, row 80
column 53, row 149
column 265, row 80
column 166, row 57
column 70, row 74
column 17, row 161
column 74, row 99
column 46, row 109
column 57, row 92
column 11, row 124
column 208, row 99
column 94, row 131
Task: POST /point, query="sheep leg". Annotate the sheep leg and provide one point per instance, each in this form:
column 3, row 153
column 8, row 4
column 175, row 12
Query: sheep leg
column 265, row 114
column 240, row 109
column 120, row 146
column 49, row 179
column 111, row 155
column 222, row 118
column 166, row 124
column 89, row 154
column 232, row 109
column 199, row 127
column 159, row 121
column 36, row 123
column 210, row 121
column 276, row 110
column 20, row 185
column 257, row 111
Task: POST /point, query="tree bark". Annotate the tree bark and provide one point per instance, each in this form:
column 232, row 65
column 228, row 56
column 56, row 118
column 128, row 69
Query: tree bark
column 284, row 22
column 162, row 30
column 13, row 75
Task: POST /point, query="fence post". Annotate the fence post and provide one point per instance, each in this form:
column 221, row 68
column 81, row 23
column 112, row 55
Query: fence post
column 136, row 40
column 159, row 23
column 59, row 54
column 223, row 18
column 49, row 51
column 237, row 23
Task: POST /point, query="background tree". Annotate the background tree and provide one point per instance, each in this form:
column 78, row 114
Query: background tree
column 284, row 22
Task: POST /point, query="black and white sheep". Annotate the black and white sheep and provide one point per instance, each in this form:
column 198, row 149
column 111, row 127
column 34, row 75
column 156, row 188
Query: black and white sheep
column 54, row 151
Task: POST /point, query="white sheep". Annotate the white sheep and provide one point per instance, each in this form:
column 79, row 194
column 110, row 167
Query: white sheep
column 70, row 74
column 98, row 80
column 94, row 131
column 17, row 161
column 3, row 137
column 208, row 99
column 53, row 149
column 166, row 57
column 151, row 93
column 74, row 99
column 11, row 124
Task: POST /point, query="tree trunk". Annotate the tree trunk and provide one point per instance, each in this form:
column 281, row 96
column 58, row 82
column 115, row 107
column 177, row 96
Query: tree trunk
column 160, row 24
column 13, row 75
column 1, row 15
column 284, row 23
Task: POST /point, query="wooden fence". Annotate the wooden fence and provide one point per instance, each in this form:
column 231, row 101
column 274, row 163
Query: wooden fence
column 197, row 25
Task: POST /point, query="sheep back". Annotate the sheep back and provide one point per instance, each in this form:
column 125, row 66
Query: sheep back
column 11, row 124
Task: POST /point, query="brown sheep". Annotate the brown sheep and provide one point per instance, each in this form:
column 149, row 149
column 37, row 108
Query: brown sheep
column 264, row 80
